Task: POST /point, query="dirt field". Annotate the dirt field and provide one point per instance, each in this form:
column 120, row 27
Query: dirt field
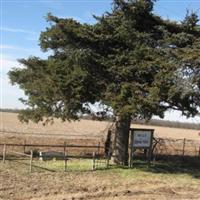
column 112, row 184
column 88, row 132
column 162, row 183
column 80, row 129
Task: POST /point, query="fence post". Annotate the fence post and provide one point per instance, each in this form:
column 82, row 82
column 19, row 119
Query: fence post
column 108, row 159
column 155, row 154
column 93, row 161
column 184, row 146
column 199, row 151
column 65, row 158
column 4, row 153
column 24, row 145
column 98, row 149
column 31, row 160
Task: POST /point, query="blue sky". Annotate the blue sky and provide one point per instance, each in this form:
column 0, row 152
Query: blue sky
column 23, row 20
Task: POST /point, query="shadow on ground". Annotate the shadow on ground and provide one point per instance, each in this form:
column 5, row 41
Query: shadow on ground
column 170, row 165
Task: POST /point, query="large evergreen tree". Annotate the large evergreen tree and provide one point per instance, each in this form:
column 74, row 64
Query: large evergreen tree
column 131, row 60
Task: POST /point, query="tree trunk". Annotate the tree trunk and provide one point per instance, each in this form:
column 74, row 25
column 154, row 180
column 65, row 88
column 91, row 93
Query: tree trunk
column 122, row 140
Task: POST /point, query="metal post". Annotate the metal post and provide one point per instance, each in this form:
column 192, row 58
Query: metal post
column 150, row 149
column 65, row 157
column 4, row 153
column 98, row 150
column 184, row 146
column 25, row 146
column 155, row 154
column 31, row 159
column 93, row 161
column 131, row 151
column 108, row 159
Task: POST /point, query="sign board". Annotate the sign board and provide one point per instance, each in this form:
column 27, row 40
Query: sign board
column 142, row 138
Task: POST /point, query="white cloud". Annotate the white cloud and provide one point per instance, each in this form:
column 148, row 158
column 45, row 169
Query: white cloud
column 32, row 38
column 8, row 64
column 16, row 52
column 11, row 47
column 6, row 47
column 51, row 2
column 9, row 94
column 173, row 115
column 17, row 30
column 31, row 35
column 79, row 19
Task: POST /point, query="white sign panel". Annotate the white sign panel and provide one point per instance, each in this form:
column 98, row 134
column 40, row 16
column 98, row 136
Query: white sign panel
column 142, row 138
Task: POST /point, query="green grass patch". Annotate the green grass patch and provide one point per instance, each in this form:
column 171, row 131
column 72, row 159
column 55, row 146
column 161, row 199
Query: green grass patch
column 71, row 165
column 140, row 169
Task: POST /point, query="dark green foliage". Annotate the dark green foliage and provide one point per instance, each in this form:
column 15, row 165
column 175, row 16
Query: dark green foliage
column 131, row 60
column 190, row 21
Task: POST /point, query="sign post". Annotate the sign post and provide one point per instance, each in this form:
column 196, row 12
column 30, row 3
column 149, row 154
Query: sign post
column 141, row 139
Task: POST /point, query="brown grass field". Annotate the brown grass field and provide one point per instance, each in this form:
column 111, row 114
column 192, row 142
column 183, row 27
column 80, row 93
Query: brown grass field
column 114, row 184
column 161, row 181
column 79, row 129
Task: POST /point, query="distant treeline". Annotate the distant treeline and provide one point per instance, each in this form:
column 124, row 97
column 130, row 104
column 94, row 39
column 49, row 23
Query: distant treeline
column 153, row 122
column 10, row 110
column 171, row 124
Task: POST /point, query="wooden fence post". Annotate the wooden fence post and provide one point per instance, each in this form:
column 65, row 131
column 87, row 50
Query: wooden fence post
column 155, row 154
column 24, row 145
column 184, row 147
column 98, row 149
column 150, row 150
column 108, row 159
column 93, row 161
column 4, row 153
column 31, row 160
column 199, row 152
column 65, row 158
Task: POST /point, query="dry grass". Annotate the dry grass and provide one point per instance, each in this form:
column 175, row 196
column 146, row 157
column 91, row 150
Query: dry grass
column 82, row 129
column 16, row 183
column 116, row 184
column 85, row 132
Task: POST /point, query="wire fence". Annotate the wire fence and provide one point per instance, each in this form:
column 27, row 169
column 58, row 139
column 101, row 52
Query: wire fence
column 64, row 157
column 69, row 157
column 179, row 147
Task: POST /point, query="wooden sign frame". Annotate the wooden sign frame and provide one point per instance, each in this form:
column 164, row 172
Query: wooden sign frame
column 132, row 148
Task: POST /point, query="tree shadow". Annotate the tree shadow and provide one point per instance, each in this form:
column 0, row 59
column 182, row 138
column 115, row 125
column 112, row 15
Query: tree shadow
column 172, row 165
